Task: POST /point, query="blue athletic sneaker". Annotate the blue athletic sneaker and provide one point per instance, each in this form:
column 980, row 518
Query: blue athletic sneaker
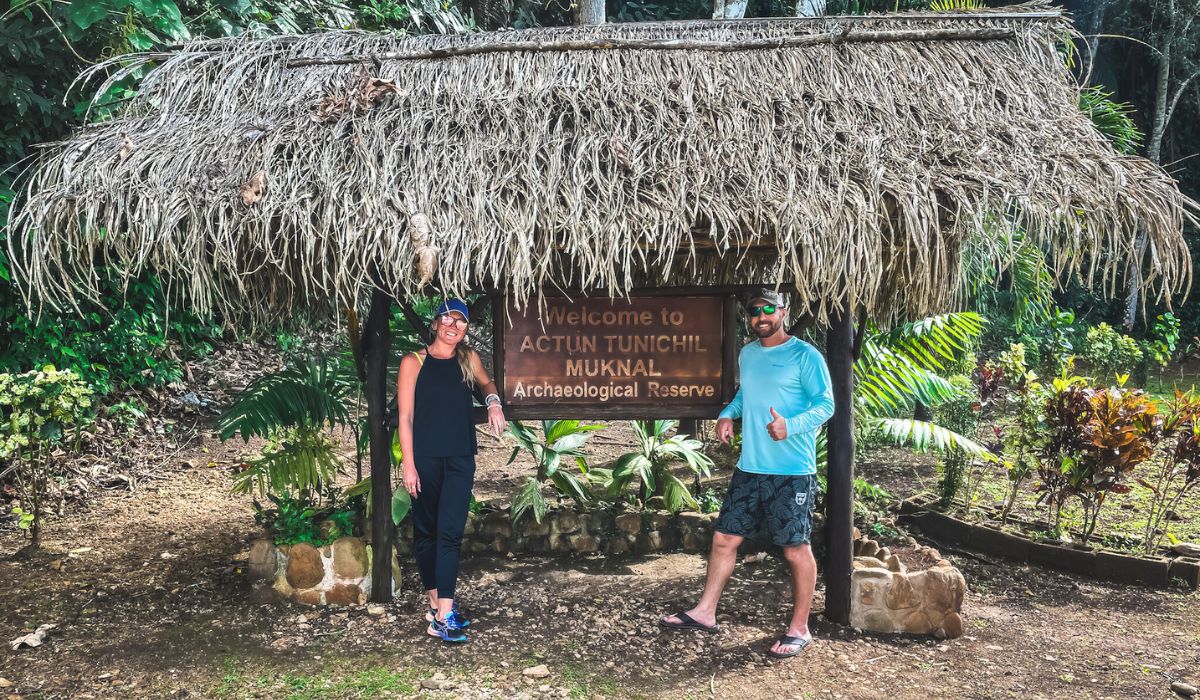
column 448, row 630
column 459, row 619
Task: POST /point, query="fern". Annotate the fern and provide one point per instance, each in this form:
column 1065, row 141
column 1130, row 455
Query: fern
column 299, row 461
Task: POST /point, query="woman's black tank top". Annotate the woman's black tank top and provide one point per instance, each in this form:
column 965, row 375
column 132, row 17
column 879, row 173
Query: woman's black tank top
column 443, row 418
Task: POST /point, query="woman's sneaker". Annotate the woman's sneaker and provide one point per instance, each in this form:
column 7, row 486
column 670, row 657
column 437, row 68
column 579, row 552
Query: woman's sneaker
column 460, row 619
column 448, row 630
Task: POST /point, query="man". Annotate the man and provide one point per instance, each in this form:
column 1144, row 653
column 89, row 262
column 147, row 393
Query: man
column 784, row 398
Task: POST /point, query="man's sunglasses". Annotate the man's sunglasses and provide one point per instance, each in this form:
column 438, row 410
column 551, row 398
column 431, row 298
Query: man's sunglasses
column 767, row 309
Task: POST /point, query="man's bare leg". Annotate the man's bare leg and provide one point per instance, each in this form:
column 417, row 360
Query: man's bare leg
column 721, row 561
column 804, row 581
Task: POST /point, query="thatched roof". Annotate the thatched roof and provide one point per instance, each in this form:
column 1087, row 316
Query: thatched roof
column 853, row 165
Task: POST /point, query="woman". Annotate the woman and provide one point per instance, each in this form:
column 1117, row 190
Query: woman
column 437, row 436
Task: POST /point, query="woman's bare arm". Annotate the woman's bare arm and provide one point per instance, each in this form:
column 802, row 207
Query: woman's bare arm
column 406, row 389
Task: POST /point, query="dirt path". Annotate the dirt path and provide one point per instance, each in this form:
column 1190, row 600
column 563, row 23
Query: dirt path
column 152, row 604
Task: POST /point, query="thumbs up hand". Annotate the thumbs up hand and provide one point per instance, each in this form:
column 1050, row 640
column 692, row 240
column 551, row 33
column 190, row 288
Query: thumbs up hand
column 777, row 428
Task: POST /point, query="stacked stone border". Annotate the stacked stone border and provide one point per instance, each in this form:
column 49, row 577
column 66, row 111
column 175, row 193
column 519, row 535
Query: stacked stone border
column 886, row 597
column 1098, row 564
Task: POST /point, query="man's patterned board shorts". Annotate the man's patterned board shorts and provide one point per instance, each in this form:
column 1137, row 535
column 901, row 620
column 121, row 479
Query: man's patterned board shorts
column 779, row 504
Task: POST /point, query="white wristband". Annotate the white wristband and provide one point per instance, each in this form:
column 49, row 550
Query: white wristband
column 488, row 400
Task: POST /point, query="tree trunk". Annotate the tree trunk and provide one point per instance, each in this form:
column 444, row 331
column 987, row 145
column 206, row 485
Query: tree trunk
column 589, row 12
column 1158, row 126
column 376, row 343
column 729, row 9
column 810, row 8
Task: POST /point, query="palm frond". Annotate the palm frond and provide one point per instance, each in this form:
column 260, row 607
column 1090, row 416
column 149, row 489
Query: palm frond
column 924, row 436
column 934, row 340
column 308, row 395
column 302, row 461
column 530, row 500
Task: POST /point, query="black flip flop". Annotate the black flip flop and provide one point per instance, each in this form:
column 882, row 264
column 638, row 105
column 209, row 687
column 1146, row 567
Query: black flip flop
column 787, row 640
column 687, row 623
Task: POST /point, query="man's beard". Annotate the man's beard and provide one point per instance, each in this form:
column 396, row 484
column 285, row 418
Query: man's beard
column 767, row 331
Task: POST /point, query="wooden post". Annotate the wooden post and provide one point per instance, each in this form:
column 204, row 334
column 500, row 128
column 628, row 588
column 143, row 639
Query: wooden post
column 839, row 498
column 377, row 342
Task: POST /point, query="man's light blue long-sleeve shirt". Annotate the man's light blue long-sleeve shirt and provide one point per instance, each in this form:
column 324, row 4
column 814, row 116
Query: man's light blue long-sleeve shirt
column 793, row 379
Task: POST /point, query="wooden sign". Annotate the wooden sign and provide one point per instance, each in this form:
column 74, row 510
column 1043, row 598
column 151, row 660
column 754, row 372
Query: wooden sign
column 648, row 356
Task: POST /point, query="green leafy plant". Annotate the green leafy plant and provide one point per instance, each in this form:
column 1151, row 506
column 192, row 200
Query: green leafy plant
column 296, row 518
column 960, row 414
column 1025, row 439
column 1108, row 353
column 650, row 466
column 41, row 413
column 292, row 409
column 562, row 440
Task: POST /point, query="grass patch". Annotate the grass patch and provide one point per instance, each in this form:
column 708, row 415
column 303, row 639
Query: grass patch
column 365, row 683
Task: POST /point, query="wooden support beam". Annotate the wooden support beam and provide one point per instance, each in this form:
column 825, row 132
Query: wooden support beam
column 414, row 319
column 844, row 35
column 839, row 497
column 377, row 341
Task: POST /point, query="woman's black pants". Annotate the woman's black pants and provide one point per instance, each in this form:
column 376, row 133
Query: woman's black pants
column 439, row 514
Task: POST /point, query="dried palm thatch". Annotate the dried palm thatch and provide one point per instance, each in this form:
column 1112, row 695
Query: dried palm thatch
column 272, row 173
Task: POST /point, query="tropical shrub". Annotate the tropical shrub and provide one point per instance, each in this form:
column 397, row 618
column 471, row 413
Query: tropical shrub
column 1108, row 353
column 1117, row 439
column 561, row 440
column 41, row 413
column 1176, row 472
column 1066, row 413
column 650, row 466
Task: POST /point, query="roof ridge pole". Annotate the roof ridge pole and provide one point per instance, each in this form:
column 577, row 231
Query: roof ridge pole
column 839, row 480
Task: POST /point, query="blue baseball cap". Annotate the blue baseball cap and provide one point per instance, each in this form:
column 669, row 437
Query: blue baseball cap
column 454, row 305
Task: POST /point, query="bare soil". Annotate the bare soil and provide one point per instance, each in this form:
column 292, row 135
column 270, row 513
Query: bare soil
column 147, row 592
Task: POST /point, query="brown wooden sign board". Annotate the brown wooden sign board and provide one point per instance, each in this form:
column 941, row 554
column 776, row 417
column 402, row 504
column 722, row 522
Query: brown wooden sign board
column 647, row 356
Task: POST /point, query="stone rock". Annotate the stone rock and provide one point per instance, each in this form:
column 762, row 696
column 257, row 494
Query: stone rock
column 923, row 602
column 629, row 523
column 693, row 542
column 648, row 542
column 883, row 554
column 584, row 543
column 660, row 521
column 470, row 526
column 311, row 596
column 690, row 522
column 565, row 522
column 532, row 528
column 539, row 671
column 345, row 594
column 305, row 568
column 1187, row 549
column 560, row 543
column 869, row 548
column 901, row 595
column 349, row 558
column 618, row 546
column 1184, row 690
column 376, row 610
column 894, row 564
column 497, row 524
column 536, row 545
column 501, row 545
column 261, row 562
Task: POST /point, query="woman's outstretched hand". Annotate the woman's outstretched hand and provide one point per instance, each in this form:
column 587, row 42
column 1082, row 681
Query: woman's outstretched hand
column 496, row 419
column 412, row 482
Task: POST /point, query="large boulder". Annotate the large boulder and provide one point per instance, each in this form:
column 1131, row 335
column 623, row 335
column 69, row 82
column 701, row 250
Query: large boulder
column 349, row 558
column 305, row 567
